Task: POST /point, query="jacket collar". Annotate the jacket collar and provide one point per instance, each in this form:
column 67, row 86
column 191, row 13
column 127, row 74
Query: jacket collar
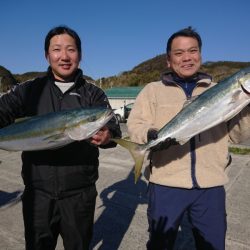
column 170, row 78
column 78, row 75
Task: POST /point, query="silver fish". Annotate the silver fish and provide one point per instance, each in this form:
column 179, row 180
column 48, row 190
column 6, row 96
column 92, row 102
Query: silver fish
column 218, row 104
column 53, row 130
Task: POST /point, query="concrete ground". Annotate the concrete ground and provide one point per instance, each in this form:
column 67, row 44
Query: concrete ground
column 120, row 218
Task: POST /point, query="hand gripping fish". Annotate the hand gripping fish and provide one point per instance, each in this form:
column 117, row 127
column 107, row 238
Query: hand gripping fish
column 230, row 95
column 53, row 130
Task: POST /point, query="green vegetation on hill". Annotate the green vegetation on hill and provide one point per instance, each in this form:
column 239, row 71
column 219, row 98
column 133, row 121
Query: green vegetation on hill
column 27, row 76
column 145, row 72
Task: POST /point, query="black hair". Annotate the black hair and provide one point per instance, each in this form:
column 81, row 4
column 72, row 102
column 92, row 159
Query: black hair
column 62, row 30
column 187, row 32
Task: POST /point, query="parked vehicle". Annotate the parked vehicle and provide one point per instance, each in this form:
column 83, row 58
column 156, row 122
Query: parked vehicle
column 122, row 113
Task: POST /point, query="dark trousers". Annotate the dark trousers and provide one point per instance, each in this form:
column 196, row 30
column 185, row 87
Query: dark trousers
column 206, row 213
column 71, row 217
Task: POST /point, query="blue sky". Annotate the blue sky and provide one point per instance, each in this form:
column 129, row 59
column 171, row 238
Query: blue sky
column 117, row 35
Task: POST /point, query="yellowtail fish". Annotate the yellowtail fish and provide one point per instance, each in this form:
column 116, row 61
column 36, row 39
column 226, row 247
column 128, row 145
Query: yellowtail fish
column 53, row 130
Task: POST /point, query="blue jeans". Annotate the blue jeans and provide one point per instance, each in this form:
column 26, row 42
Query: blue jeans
column 206, row 213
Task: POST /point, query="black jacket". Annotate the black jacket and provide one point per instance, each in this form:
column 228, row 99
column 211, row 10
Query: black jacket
column 65, row 171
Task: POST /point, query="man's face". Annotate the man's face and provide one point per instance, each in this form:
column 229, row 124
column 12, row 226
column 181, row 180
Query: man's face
column 184, row 58
column 63, row 56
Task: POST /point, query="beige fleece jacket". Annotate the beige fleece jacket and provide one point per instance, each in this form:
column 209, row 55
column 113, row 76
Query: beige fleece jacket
column 156, row 105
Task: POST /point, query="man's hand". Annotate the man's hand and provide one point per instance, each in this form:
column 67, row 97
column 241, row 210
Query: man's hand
column 153, row 135
column 102, row 137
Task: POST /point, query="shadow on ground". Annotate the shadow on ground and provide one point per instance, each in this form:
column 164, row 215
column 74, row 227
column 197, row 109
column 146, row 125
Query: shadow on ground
column 9, row 199
column 120, row 202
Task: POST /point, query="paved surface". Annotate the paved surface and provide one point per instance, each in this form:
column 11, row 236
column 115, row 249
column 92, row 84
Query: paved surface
column 120, row 221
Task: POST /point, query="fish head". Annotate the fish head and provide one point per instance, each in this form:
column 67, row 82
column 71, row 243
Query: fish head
column 85, row 123
column 98, row 114
column 102, row 116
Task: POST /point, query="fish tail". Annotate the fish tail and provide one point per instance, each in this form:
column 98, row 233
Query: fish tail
column 137, row 152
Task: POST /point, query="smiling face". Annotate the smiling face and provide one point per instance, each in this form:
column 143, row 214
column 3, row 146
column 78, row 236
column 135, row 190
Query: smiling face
column 63, row 56
column 184, row 57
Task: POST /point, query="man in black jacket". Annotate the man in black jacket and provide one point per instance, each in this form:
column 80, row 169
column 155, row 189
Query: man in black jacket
column 60, row 191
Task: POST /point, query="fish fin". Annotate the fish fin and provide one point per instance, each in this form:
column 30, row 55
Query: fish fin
column 137, row 153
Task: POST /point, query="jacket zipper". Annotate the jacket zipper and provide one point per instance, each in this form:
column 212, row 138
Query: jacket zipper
column 56, row 192
column 192, row 146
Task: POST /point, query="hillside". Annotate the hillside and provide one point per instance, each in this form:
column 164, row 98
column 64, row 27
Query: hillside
column 30, row 75
column 145, row 72
column 151, row 70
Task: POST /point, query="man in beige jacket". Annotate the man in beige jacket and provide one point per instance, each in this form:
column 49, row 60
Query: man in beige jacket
column 185, row 178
